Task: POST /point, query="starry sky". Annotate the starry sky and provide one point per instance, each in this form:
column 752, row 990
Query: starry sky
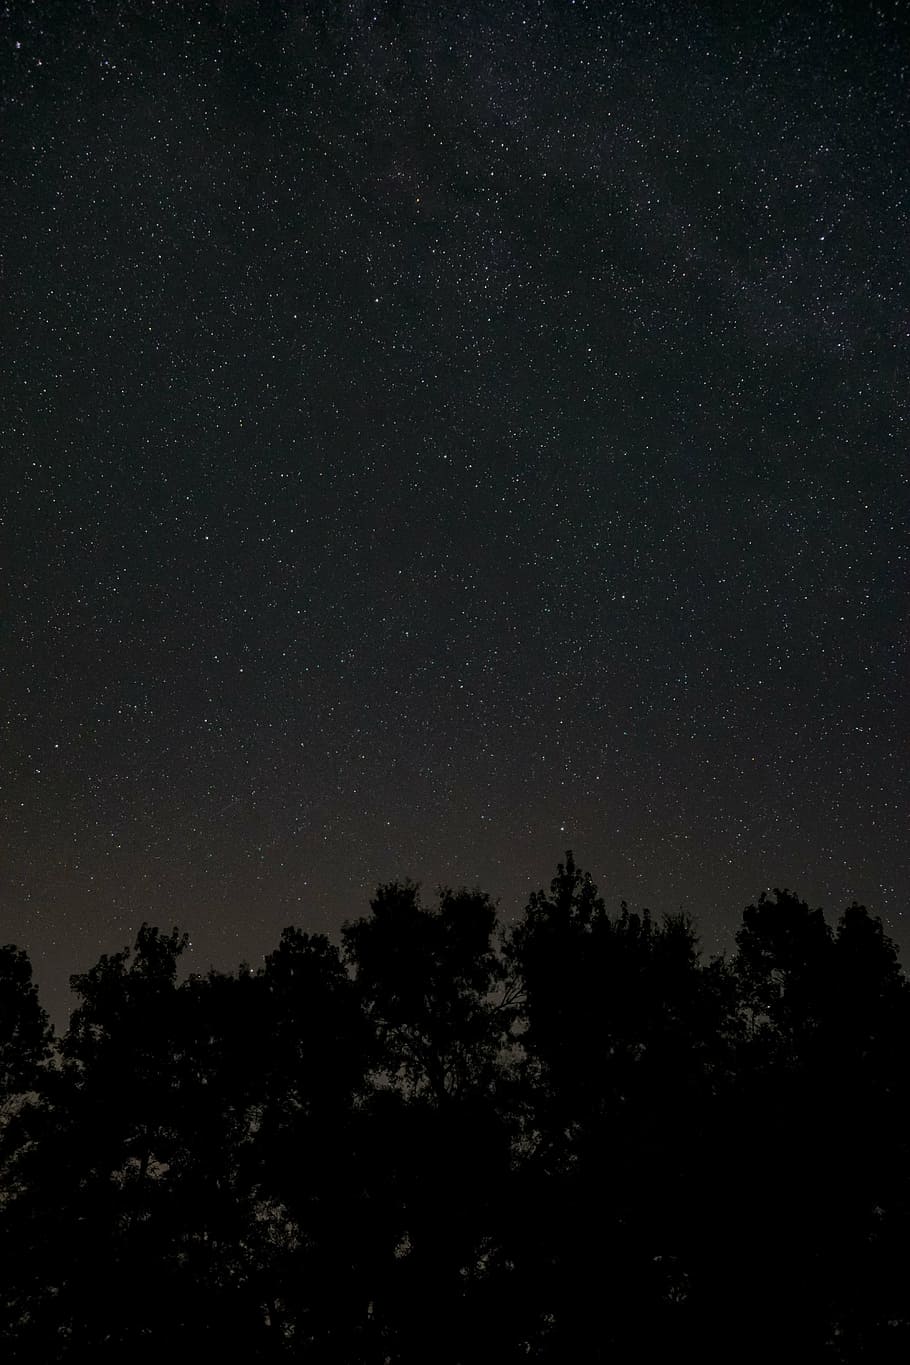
column 438, row 435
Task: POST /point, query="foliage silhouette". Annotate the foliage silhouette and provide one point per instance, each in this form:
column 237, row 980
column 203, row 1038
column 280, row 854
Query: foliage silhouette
column 445, row 1139
column 25, row 1034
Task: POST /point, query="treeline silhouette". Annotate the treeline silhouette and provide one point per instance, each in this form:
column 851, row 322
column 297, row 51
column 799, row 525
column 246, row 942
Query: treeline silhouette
column 572, row 1140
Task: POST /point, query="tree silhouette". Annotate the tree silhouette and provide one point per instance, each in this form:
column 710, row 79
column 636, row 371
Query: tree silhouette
column 625, row 1037
column 434, row 988
column 25, row 1034
column 25, row 1049
column 316, row 1048
column 575, row 1139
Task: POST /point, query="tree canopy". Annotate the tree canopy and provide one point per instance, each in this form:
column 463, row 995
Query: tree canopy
column 444, row 1138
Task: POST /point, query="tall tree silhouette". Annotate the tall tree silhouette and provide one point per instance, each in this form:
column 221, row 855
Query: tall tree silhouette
column 309, row 1150
column 815, row 1076
column 97, row 1204
column 625, row 1038
column 25, row 1049
column 25, row 1033
column 434, row 987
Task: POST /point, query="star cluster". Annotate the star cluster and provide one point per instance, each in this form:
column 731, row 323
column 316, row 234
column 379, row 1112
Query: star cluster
column 439, row 435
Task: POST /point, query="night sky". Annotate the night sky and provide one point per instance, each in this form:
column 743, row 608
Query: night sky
column 439, row 435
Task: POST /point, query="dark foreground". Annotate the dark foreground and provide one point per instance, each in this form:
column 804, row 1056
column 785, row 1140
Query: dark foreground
column 577, row 1141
